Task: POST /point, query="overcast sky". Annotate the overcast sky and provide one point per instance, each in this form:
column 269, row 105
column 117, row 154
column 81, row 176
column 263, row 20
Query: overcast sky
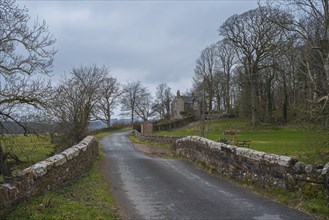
column 150, row 41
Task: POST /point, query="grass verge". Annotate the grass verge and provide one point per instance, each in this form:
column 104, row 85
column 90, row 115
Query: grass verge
column 153, row 148
column 306, row 200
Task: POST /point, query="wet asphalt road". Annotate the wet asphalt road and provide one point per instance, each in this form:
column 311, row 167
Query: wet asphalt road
column 156, row 188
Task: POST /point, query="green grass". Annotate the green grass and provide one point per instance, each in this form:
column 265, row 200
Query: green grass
column 306, row 200
column 135, row 140
column 29, row 149
column 303, row 143
column 317, row 206
column 86, row 198
column 159, row 149
column 101, row 135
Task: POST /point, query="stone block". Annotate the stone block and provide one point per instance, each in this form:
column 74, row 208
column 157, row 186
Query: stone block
column 309, row 168
column 325, row 170
column 216, row 145
column 285, row 161
column 82, row 147
column 8, row 186
column 271, row 158
column 229, row 148
column 71, row 153
column 299, row 167
column 87, row 140
column 39, row 169
column 250, row 154
column 147, row 128
column 57, row 160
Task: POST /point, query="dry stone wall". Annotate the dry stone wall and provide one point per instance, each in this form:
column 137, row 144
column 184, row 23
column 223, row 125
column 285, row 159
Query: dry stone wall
column 49, row 174
column 266, row 170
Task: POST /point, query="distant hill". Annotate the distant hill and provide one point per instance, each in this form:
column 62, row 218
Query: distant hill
column 14, row 128
column 98, row 124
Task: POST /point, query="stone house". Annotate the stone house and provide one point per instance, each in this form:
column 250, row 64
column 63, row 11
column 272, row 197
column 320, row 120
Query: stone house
column 183, row 106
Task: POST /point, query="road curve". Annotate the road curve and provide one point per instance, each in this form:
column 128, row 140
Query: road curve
column 156, row 188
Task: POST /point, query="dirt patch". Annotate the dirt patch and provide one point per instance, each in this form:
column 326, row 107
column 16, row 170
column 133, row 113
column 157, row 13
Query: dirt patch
column 154, row 150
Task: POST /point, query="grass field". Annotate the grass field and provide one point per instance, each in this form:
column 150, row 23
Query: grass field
column 302, row 142
column 29, row 149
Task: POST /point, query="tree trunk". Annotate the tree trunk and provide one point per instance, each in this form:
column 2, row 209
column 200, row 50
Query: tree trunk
column 167, row 114
column 210, row 99
column 108, row 121
column 285, row 100
column 227, row 103
column 218, row 102
column 108, row 113
column 269, row 98
column 254, row 107
column 4, row 169
column 227, row 94
column 132, row 119
column 210, row 104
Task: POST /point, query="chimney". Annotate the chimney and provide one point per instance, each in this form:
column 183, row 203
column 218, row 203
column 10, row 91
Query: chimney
column 178, row 93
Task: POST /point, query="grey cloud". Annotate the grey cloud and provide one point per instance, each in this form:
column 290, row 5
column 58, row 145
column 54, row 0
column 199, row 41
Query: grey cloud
column 149, row 41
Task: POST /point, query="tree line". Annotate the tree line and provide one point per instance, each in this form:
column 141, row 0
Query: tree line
column 271, row 64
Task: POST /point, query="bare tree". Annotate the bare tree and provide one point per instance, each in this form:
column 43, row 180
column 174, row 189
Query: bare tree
column 145, row 105
column 168, row 97
column 18, row 95
column 108, row 98
column 132, row 93
column 24, row 50
column 19, row 98
column 256, row 39
column 204, row 73
column 75, row 99
column 160, row 108
column 164, row 97
column 311, row 26
column 226, row 59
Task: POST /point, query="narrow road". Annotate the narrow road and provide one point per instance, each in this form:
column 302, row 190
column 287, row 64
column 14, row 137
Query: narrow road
column 156, row 188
